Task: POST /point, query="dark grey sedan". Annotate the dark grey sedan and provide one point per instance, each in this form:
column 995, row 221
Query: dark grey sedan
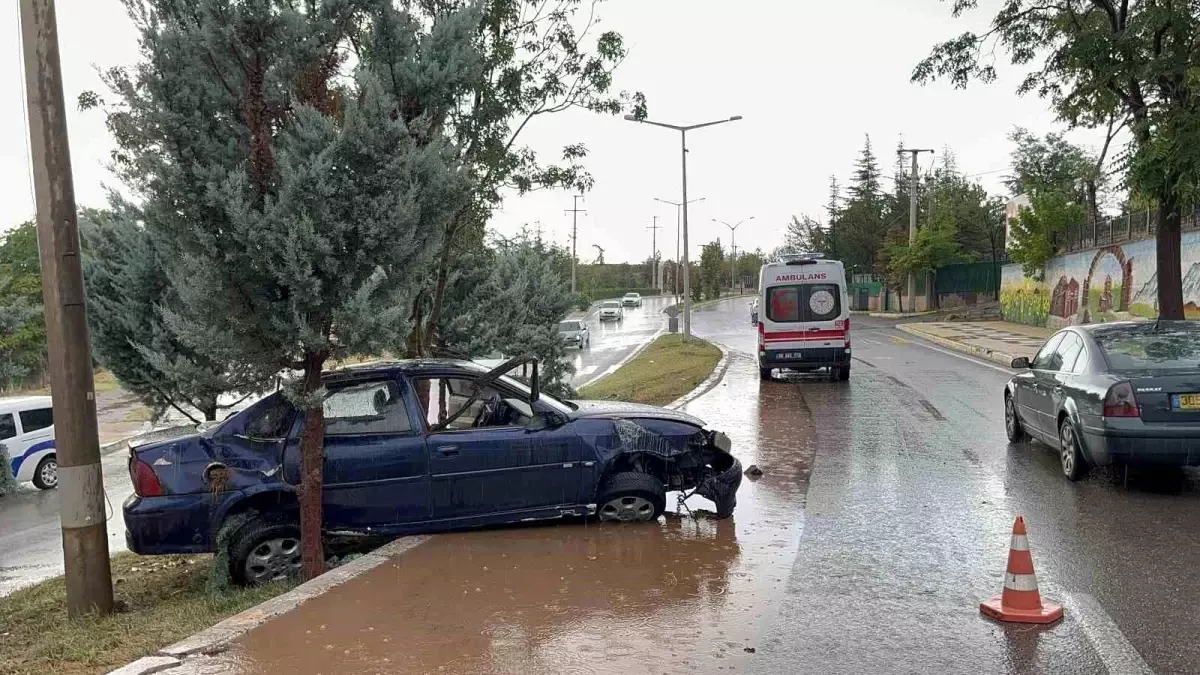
column 1123, row 393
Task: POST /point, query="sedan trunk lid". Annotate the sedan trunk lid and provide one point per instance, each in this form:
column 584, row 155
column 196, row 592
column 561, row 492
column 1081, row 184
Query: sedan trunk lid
column 1166, row 395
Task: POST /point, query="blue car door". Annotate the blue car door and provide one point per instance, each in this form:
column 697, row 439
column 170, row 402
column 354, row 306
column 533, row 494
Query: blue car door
column 488, row 461
column 376, row 467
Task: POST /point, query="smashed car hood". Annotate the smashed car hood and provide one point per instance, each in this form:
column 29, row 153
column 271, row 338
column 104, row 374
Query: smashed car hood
column 622, row 410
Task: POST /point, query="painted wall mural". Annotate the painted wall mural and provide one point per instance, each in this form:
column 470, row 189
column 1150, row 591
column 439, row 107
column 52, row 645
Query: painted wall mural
column 1113, row 283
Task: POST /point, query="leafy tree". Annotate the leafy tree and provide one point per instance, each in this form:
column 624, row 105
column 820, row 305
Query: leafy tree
column 713, row 272
column 807, row 234
column 128, row 288
column 535, row 62
column 1034, row 232
column 22, row 325
column 291, row 161
column 1098, row 62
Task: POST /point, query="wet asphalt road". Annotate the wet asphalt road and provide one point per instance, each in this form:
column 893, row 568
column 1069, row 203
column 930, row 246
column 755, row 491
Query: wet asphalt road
column 613, row 342
column 30, row 533
column 881, row 521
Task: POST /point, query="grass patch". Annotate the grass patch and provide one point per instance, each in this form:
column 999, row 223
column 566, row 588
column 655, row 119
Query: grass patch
column 162, row 600
column 666, row 370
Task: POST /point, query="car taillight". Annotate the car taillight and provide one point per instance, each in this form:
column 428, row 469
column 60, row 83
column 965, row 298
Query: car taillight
column 1120, row 401
column 145, row 481
column 847, row 327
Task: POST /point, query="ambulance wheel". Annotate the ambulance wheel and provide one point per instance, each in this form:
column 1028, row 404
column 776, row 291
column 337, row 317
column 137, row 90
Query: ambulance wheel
column 764, row 373
column 842, row 373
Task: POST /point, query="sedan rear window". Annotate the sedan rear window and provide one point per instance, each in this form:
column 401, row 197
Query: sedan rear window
column 1143, row 347
column 568, row 326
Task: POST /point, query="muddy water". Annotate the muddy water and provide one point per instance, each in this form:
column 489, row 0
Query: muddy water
column 690, row 594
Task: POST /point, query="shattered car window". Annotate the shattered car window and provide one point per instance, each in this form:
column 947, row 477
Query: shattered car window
column 370, row 408
column 273, row 418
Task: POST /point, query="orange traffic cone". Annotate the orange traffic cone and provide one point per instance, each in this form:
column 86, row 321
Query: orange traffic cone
column 1020, row 602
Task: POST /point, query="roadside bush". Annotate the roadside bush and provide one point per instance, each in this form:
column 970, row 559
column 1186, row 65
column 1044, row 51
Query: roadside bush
column 219, row 582
column 8, row 484
column 584, row 302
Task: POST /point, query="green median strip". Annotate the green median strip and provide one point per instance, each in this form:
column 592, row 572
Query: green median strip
column 162, row 599
column 667, row 369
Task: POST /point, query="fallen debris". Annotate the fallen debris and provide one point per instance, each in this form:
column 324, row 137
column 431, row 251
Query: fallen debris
column 753, row 471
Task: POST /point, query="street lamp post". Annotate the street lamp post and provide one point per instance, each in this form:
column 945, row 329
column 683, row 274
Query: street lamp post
column 677, row 206
column 687, row 284
column 733, row 248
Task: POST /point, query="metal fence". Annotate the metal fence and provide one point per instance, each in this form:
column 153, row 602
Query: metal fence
column 1118, row 230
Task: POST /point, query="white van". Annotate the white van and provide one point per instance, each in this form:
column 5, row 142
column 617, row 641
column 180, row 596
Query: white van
column 804, row 317
column 27, row 439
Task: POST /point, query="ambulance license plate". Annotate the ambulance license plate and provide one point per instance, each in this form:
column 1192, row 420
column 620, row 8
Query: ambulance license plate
column 1185, row 401
column 790, row 356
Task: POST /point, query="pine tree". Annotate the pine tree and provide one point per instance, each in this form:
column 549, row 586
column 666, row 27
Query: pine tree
column 298, row 199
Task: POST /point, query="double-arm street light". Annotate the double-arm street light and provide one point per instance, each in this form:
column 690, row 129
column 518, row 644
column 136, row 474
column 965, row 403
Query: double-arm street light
column 733, row 249
column 677, row 206
column 687, row 285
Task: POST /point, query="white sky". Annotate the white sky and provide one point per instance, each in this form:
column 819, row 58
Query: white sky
column 810, row 79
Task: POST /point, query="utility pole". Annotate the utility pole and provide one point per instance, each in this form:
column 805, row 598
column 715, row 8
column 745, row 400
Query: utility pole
column 687, row 282
column 654, row 253
column 733, row 248
column 77, row 443
column 912, row 217
column 574, row 211
column 678, row 220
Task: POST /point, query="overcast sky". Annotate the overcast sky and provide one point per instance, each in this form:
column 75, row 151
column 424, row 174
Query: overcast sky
column 810, row 79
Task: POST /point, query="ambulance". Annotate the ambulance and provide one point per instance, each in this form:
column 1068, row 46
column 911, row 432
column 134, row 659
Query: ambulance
column 804, row 316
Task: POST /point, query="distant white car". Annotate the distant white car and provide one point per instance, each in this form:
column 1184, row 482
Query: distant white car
column 611, row 310
column 574, row 333
column 27, row 440
column 632, row 300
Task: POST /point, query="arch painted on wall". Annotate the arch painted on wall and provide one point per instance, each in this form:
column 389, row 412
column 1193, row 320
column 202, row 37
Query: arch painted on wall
column 1126, row 280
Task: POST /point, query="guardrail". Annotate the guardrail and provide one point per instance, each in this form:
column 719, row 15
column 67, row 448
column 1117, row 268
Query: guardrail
column 1118, row 230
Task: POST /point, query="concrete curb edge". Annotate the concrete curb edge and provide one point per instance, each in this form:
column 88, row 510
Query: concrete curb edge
column 1002, row 358
column 216, row 638
column 714, row 378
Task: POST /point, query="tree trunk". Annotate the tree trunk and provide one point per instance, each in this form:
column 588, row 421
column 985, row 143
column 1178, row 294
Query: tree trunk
column 1093, row 209
column 1170, row 267
column 312, row 461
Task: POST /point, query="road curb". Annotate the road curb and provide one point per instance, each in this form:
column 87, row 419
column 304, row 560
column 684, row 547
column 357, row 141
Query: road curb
column 706, row 303
column 216, row 638
column 714, row 378
column 1003, row 358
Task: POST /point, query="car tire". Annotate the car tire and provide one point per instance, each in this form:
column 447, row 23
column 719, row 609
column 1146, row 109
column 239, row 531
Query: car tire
column 1069, row 455
column 273, row 542
column 631, row 497
column 1012, row 423
column 842, row 373
column 45, row 476
column 764, row 373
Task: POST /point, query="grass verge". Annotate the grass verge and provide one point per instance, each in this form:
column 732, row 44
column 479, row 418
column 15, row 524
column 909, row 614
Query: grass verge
column 162, row 600
column 664, row 371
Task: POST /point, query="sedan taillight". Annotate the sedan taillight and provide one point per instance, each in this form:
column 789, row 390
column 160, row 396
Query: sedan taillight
column 1120, row 402
column 145, row 481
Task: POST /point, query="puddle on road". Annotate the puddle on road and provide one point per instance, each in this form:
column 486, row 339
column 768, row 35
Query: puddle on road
column 689, row 594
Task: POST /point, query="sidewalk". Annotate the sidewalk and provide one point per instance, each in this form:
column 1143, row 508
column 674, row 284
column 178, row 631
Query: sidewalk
column 998, row 341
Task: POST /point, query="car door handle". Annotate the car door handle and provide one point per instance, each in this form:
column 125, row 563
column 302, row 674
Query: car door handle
column 448, row 451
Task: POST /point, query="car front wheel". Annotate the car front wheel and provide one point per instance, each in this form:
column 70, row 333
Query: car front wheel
column 1012, row 423
column 631, row 497
column 45, row 477
column 265, row 550
column 1069, row 455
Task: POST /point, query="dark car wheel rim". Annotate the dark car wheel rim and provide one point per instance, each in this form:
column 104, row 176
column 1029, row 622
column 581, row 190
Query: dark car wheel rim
column 49, row 473
column 274, row 559
column 627, row 509
column 1010, row 417
column 1068, row 450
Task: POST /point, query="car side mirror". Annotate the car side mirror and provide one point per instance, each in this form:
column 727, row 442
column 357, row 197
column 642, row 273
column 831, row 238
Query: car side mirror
column 1020, row 363
column 546, row 420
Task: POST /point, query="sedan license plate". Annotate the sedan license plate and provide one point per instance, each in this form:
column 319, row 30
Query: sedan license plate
column 1185, row 401
column 790, row 356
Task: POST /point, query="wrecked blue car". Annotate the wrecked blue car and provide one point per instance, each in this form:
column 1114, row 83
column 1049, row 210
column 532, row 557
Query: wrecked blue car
column 417, row 446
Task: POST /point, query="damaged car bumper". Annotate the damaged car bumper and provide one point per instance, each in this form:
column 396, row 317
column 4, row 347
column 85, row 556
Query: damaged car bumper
column 721, row 485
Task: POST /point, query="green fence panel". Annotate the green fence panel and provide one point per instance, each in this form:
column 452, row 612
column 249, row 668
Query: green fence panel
column 976, row 277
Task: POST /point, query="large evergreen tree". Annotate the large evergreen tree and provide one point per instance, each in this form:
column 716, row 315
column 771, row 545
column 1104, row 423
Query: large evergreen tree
column 291, row 162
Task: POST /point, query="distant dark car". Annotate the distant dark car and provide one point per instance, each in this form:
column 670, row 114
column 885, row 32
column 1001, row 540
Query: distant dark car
column 1124, row 393
column 418, row 446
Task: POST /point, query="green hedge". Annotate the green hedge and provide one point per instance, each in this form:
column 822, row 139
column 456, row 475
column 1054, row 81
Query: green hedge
column 608, row 293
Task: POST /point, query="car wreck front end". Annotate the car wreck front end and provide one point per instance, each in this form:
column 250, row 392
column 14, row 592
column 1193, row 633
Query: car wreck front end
column 674, row 447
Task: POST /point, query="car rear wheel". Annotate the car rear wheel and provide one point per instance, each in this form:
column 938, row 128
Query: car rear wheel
column 1069, row 455
column 265, row 550
column 764, row 373
column 841, row 373
column 45, row 477
column 1012, row 423
column 631, row 497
